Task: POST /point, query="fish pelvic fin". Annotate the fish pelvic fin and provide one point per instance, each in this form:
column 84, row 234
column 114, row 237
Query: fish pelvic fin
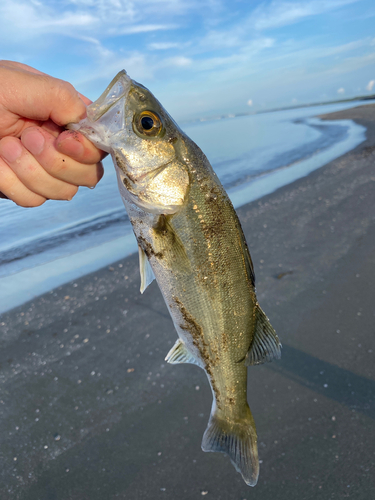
column 238, row 440
column 147, row 274
column 180, row 354
column 266, row 344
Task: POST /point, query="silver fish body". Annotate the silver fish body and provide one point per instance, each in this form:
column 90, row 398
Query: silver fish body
column 190, row 239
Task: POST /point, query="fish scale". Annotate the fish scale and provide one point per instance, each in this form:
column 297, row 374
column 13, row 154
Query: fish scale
column 191, row 240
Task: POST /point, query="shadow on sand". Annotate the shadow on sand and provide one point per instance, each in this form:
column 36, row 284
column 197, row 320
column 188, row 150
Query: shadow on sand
column 347, row 388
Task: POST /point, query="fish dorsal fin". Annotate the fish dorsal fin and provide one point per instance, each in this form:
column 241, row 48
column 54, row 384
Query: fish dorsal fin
column 147, row 274
column 265, row 345
column 179, row 354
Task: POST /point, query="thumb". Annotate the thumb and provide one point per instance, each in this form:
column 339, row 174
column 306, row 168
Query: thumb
column 38, row 96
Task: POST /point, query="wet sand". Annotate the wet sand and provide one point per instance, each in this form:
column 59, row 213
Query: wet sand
column 89, row 409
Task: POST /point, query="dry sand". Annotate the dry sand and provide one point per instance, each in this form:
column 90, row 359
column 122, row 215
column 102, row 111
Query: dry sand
column 90, row 410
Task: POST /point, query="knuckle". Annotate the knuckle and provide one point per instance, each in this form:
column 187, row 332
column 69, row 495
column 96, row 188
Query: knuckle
column 70, row 108
column 65, row 91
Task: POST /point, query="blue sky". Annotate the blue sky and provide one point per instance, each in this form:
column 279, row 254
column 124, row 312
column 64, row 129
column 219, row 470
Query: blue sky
column 200, row 57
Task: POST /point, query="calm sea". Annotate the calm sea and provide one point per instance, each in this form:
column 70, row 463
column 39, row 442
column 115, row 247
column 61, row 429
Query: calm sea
column 44, row 247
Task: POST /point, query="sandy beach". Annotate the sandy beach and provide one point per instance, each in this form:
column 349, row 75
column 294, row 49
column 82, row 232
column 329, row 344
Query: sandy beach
column 90, row 410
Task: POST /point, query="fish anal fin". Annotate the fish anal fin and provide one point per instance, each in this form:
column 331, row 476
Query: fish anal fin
column 147, row 274
column 180, row 354
column 238, row 440
column 265, row 345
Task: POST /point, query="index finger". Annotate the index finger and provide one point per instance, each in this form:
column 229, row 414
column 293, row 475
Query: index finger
column 39, row 96
column 17, row 65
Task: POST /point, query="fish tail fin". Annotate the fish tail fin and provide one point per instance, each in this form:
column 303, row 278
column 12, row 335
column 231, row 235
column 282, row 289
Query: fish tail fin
column 237, row 439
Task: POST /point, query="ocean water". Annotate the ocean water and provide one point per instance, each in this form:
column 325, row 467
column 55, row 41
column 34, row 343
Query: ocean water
column 253, row 155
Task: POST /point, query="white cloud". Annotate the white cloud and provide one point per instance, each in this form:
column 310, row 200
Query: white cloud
column 346, row 47
column 221, row 39
column 235, row 36
column 354, row 63
column 370, row 85
column 27, row 20
column 163, row 45
column 220, row 47
column 292, row 55
column 278, row 13
column 68, row 20
column 180, row 61
column 140, row 28
column 225, row 62
column 139, row 66
column 341, row 90
column 134, row 11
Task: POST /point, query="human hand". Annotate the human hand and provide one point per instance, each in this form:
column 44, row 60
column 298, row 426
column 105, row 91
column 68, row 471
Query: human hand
column 39, row 159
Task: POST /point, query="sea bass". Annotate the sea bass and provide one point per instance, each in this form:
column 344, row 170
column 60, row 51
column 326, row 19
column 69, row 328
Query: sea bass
column 190, row 239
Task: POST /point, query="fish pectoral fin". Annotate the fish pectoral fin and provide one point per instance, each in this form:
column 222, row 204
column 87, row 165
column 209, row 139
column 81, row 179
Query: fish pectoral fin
column 265, row 345
column 180, row 354
column 238, row 440
column 147, row 274
column 167, row 242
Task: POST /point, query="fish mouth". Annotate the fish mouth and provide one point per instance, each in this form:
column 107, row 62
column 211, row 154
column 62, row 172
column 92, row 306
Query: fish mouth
column 105, row 117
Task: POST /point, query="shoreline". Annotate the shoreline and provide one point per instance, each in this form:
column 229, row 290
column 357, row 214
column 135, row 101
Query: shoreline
column 44, row 277
column 87, row 361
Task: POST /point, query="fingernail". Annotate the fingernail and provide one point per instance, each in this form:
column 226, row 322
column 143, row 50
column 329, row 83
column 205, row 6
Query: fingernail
column 11, row 151
column 33, row 141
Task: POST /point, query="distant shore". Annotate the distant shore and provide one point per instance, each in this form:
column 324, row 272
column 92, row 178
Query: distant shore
column 90, row 410
column 284, row 108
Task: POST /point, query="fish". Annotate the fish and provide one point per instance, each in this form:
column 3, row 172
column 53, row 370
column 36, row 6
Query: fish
column 190, row 239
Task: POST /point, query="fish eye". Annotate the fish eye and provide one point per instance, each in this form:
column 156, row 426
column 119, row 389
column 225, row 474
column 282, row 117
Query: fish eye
column 148, row 123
